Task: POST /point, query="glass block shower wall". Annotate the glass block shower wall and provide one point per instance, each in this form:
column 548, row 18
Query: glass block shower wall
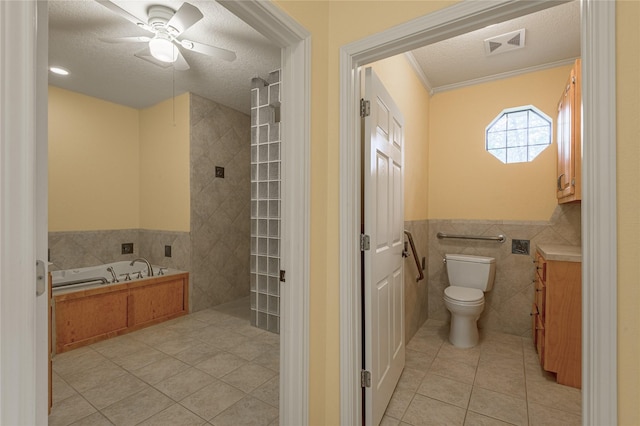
column 265, row 202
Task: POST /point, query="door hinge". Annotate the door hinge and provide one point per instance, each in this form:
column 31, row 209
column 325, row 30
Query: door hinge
column 365, row 108
column 282, row 273
column 365, row 242
column 365, row 378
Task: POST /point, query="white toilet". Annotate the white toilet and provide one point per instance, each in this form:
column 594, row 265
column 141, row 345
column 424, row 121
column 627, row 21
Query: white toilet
column 469, row 277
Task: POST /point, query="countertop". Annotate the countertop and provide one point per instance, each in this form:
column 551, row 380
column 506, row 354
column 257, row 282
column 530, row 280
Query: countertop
column 561, row 253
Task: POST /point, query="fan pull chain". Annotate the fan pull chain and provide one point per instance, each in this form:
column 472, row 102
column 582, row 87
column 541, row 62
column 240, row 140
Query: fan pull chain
column 173, row 78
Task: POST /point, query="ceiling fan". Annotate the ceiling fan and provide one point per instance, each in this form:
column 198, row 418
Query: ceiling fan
column 166, row 26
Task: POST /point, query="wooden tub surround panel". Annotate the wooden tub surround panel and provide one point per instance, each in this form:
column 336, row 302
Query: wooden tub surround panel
column 88, row 316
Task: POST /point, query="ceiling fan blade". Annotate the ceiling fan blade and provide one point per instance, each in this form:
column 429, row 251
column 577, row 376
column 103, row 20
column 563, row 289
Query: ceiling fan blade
column 205, row 49
column 134, row 39
column 185, row 17
column 181, row 63
column 126, row 15
column 146, row 55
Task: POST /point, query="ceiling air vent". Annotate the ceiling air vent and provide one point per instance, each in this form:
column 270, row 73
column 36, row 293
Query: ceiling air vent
column 504, row 43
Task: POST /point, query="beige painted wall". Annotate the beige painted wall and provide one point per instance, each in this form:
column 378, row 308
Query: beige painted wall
column 93, row 163
column 466, row 182
column 412, row 98
column 628, row 159
column 115, row 167
column 164, row 165
column 332, row 25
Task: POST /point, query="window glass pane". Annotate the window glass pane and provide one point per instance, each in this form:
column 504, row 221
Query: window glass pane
column 517, row 155
column 500, row 154
column 535, row 120
column 535, row 150
column 517, row 120
column 496, row 140
column 517, row 138
column 500, row 125
column 518, row 135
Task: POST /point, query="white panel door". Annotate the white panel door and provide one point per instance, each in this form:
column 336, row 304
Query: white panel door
column 383, row 215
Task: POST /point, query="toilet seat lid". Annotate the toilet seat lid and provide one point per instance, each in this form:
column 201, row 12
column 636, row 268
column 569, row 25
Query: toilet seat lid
column 464, row 294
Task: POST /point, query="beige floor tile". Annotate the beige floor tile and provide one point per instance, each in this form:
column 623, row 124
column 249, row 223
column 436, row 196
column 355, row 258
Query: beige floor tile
column 248, row 377
column 219, row 338
column 445, row 390
column 270, row 338
column 553, row 395
column 209, row 316
column 76, row 361
column 505, row 380
column 137, row 407
column 139, row 359
column 425, row 411
column 270, row 358
column 251, row 349
column 98, row 376
column 221, row 364
column 239, row 308
column 428, row 344
column 184, row 383
column 399, row 402
column 154, row 335
column 248, row 411
column 389, row 421
column 173, row 416
column 475, row 419
column 95, row 419
column 185, row 324
column 240, row 326
column 118, row 347
column 160, row 370
column 417, row 360
column 197, row 353
column 70, row 410
column 459, row 371
column 498, row 406
column 174, row 346
column 469, row 356
column 213, row 399
column 60, row 389
column 269, row 392
column 119, row 388
column 410, row 379
column 540, row 415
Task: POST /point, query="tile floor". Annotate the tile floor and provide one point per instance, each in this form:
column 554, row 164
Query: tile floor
column 207, row 368
column 213, row 368
column 498, row 382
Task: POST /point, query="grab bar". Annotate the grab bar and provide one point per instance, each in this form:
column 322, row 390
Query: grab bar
column 415, row 255
column 500, row 238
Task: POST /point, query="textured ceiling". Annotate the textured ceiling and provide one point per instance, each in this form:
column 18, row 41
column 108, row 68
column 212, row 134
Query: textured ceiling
column 111, row 71
column 552, row 37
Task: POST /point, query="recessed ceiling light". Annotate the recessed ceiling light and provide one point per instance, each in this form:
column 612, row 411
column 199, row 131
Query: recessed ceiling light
column 59, row 70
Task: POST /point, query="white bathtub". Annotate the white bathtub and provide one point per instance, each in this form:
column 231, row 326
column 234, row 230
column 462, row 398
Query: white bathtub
column 94, row 276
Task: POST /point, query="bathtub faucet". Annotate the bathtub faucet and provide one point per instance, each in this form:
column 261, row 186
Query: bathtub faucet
column 113, row 274
column 149, row 268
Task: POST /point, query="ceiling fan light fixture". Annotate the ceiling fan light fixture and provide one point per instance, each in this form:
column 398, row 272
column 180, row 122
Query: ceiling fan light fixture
column 162, row 48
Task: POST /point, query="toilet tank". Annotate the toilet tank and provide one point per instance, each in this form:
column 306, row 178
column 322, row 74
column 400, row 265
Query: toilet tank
column 471, row 271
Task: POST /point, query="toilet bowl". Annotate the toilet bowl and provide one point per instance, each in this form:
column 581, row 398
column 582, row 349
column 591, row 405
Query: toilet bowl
column 469, row 277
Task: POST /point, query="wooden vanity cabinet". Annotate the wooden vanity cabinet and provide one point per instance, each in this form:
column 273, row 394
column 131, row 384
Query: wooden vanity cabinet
column 557, row 318
column 569, row 139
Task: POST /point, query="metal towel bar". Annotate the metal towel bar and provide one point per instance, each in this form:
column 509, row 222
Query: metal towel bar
column 500, row 238
column 415, row 255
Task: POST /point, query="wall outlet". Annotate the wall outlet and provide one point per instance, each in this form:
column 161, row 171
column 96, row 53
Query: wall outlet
column 220, row 172
column 167, row 251
column 520, row 247
column 127, row 248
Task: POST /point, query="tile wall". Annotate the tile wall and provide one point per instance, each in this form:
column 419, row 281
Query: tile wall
column 265, row 202
column 508, row 304
column 220, row 207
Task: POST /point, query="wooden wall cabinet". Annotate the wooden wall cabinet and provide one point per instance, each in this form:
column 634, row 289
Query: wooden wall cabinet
column 88, row 316
column 569, row 139
column 557, row 318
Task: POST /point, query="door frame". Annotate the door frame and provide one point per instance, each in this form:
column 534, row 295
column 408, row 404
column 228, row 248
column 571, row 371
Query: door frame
column 23, row 191
column 599, row 243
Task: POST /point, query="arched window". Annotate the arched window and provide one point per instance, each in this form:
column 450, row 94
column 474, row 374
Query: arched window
column 518, row 135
